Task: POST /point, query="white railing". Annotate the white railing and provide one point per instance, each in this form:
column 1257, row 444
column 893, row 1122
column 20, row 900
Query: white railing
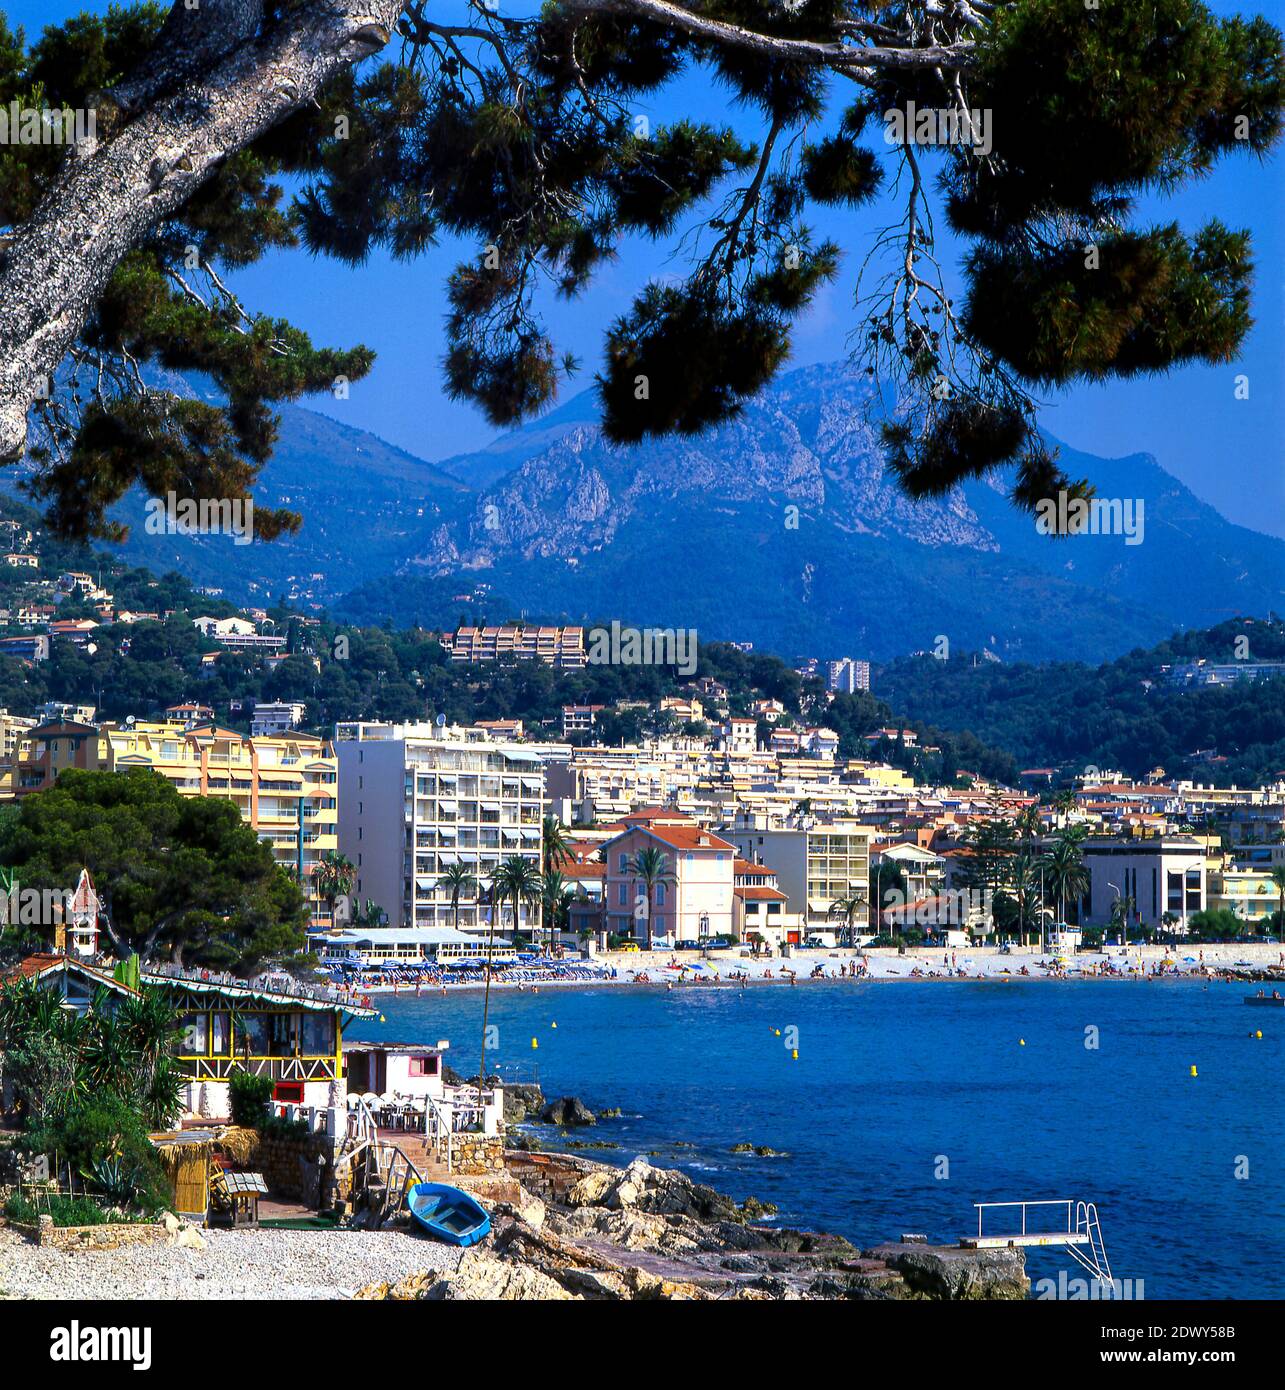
column 1066, row 1205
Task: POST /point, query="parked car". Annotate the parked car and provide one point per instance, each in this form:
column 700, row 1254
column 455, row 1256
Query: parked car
column 688, row 945
column 629, row 946
column 718, row 943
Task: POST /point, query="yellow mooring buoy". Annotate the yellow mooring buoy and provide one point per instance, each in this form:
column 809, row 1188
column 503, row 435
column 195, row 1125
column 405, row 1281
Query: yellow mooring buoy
column 1194, row 1072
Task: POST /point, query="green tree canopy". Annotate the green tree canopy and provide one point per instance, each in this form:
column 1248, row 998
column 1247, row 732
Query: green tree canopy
column 180, row 877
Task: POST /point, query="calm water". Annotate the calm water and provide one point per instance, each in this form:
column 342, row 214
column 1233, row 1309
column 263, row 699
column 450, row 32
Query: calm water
column 892, row 1080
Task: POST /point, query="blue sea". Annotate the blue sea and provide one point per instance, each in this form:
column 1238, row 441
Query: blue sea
column 908, row 1103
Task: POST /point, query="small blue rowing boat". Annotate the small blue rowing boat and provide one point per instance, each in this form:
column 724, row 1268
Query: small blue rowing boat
column 448, row 1213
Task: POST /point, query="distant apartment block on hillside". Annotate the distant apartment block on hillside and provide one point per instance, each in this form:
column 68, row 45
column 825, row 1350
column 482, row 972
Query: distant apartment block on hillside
column 1201, row 673
column 579, row 719
column 276, row 717
column 563, row 647
column 847, row 676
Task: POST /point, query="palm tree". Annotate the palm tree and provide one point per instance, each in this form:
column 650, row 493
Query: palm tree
column 1026, row 867
column 457, row 879
column 1064, row 868
column 1277, row 877
column 518, row 879
column 1121, row 912
column 334, row 877
column 652, row 866
column 1064, row 803
column 555, row 844
column 368, row 914
column 555, row 894
column 847, row 910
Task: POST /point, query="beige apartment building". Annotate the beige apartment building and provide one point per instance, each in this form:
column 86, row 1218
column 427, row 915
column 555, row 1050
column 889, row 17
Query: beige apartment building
column 285, row 787
column 562, row 647
column 816, row 864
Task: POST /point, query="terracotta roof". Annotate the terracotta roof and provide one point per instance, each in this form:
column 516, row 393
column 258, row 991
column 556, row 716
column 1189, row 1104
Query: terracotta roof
column 45, row 962
column 686, row 837
column 758, row 893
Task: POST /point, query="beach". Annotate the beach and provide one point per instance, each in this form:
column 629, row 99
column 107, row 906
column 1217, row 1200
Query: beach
column 731, row 969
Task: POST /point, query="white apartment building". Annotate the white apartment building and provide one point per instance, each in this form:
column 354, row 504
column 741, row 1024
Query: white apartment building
column 738, row 736
column 847, row 676
column 414, row 800
column 1160, row 875
column 815, row 864
column 276, row 717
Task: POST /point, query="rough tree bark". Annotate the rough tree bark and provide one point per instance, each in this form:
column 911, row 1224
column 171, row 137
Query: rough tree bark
column 106, row 202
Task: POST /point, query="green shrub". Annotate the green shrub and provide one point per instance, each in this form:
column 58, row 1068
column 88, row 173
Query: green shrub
column 248, row 1097
column 277, row 1127
column 18, row 1208
column 105, row 1141
column 64, row 1211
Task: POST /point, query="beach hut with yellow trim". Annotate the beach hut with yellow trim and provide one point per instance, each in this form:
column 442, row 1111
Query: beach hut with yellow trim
column 273, row 1026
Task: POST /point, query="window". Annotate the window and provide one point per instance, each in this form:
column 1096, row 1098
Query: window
column 254, row 1030
column 318, row 1035
column 195, row 1029
column 624, row 863
column 423, row 1066
column 622, row 895
column 284, row 1030
column 660, row 895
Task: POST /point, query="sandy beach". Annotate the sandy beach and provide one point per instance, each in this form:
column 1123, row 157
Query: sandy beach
column 729, row 969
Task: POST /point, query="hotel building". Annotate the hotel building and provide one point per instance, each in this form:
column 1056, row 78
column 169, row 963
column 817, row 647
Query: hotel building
column 414, row 799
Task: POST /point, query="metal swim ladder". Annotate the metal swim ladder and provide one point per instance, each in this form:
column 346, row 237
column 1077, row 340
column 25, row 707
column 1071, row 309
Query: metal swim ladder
column 1095, row 1259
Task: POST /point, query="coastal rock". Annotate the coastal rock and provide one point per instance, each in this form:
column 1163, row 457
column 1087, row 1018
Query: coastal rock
column 592, row 1189
column 628, row 1230
column 951, row 1274
column 567, row 1111
column 664, row 1191
column 585, row 1272
column 483, row 1277
column 532, row 1210
column 521, row 1100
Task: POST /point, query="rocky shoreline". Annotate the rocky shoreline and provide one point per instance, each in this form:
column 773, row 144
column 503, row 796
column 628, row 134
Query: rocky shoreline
column 572, row 1229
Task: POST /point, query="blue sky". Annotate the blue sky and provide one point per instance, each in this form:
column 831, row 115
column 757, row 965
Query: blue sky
column 1228, row 451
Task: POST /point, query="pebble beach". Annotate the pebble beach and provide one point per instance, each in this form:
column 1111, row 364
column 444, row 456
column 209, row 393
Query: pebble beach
column 247, row 1264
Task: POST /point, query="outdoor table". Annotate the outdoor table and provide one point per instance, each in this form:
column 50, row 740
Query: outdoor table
column 245, row 1189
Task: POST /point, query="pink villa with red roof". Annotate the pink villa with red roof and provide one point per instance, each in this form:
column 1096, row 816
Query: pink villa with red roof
column 694, row 901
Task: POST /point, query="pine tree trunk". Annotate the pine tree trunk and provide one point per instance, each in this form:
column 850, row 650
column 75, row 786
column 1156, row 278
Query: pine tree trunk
column 113, row 191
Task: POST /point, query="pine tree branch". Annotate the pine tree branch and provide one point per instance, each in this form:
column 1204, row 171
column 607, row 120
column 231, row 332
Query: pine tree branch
column 869, row 57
